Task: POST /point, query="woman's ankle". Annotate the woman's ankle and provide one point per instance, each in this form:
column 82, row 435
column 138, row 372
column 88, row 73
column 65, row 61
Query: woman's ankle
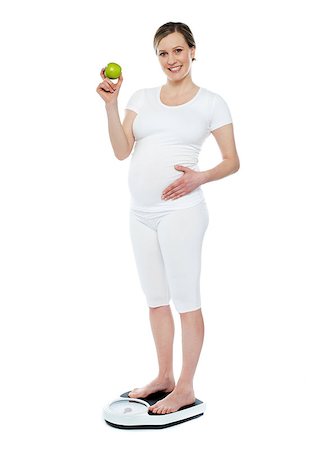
column 167, row 377
column 184, row 385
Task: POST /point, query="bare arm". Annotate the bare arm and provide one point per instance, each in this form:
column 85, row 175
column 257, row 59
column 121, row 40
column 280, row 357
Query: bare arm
column 231, row 163
column 121, row 135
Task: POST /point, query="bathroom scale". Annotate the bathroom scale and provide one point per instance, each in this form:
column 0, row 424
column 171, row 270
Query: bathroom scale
column 133, row 413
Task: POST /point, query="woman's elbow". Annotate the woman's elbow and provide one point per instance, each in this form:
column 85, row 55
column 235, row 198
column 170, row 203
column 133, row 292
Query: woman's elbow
column 236, row 164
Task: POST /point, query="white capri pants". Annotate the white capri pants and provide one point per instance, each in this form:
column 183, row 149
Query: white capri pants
column 167, row 248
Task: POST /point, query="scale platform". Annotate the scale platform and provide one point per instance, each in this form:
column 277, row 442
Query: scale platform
column 133, row 413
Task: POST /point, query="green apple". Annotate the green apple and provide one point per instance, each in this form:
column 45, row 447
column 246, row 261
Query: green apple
column 112, row 71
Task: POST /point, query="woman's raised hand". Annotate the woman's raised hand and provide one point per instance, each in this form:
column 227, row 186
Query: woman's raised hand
column 108, row 90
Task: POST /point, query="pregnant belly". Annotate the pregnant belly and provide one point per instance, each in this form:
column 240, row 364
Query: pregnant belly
column 150, row 172
column 147, row 182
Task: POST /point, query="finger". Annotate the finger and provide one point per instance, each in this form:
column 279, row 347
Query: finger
column 106, row 87
column 112, row 83
column 177, row 196
column 101, row 86
column 102, row 73
column 173, row 193
column 173, row 189
column 110, row 86
column 178, row 190
column 169, row 189
column 120, row 80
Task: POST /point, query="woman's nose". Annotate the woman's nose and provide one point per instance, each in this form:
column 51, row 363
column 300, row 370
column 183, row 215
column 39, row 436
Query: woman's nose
column 171, row 60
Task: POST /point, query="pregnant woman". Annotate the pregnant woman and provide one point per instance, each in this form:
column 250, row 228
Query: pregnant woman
column 168, row 212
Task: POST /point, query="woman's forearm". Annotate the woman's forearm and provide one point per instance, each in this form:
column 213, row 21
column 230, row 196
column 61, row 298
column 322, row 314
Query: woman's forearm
column 117, row 136
column 223, row 169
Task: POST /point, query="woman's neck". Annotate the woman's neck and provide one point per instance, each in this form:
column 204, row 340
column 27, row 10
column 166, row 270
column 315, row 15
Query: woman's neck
column 180, row 86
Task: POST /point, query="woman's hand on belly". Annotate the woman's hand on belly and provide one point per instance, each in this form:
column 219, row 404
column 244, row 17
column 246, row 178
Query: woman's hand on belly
column 184, row 185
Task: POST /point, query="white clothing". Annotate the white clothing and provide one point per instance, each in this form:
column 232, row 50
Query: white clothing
column 167, row 248
column 166, row 136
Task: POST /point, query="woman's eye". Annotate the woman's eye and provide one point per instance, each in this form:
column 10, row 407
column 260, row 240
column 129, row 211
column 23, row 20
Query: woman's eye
column 177, row 50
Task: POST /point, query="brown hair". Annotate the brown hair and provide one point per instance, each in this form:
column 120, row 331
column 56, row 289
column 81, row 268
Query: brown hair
column 172, row 27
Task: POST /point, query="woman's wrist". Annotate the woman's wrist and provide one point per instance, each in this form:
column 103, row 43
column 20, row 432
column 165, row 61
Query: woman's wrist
column 111, row 105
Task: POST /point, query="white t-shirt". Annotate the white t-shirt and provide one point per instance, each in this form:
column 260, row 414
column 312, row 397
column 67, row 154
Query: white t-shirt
column 166, row 136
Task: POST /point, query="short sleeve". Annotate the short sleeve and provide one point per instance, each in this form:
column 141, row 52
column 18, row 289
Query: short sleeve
column 220, row 114
column 135, row 101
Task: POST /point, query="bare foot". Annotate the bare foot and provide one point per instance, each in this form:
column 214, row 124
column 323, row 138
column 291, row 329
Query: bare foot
column 158, row 384
column 174, row 401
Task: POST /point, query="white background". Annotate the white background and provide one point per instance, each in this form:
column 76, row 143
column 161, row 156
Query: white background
column 74, row 324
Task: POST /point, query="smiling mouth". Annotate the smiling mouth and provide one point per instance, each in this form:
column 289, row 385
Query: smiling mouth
column 174, row 69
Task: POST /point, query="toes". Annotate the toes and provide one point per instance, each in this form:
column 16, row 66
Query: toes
column 136, row 393
column 156, row 409
column 163, row 410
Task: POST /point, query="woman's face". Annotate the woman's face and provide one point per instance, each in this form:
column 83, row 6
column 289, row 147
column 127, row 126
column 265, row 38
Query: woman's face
column 172, row 52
